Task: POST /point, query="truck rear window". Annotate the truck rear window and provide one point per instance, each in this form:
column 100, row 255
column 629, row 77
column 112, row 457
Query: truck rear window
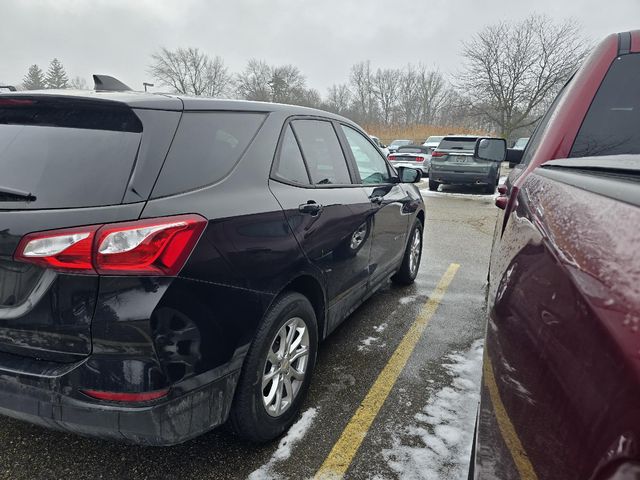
column 611, row 124
column 457, row 143
column 205, row 149
column 66, row 152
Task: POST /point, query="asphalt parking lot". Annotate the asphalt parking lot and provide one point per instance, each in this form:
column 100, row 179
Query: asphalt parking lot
column 424, row 426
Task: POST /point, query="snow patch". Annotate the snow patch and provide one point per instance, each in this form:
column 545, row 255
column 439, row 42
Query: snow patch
column 406, row 300
column 366, row 343
column 381, row 328
column 293, row 436
column 437, row 443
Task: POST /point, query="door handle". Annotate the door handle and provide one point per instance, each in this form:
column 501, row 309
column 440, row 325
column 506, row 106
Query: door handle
column 377, row 199
column 311, row 208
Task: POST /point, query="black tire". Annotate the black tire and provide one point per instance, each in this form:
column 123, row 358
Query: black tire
column 249, row 417
column 406, row 275
column 433, row 186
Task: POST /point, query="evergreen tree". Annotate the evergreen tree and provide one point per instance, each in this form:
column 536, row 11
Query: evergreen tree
column 56, row 76
column 34, row 79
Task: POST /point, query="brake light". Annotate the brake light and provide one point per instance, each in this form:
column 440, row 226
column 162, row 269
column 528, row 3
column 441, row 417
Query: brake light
column 419, row 159
column 391, row 157
column 66, row 249
column 126, row 397
column 156, row 246
column 438, row 154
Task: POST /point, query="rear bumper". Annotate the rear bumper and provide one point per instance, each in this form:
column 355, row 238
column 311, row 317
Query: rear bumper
column 178, row 418
column 462, row 178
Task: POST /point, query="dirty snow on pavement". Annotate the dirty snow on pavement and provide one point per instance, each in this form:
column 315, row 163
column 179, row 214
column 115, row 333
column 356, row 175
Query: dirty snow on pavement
column 293, row 436
column 436, row 444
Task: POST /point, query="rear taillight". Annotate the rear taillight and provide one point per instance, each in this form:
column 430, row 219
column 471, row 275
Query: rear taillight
column 438, row 154
column 418, row 159
column 391, row 157
column 156, row 246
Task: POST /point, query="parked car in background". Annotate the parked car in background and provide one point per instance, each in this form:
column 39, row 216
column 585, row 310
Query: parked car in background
column 412, row 156
column 454, row 163
column 169, row 262
column 433, row 142
column 561, row 377
column 393, row 146
column 382, row 147
column 7, row 88
column 520, row 144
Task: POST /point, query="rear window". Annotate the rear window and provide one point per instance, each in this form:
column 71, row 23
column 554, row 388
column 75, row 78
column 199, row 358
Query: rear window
column 66, row 153
column 205, row 149
column 611, row 124
column 433, row 140
column 411, row 150
column 457, row 143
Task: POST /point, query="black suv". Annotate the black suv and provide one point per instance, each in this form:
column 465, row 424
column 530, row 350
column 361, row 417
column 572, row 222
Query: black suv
column 167, row 263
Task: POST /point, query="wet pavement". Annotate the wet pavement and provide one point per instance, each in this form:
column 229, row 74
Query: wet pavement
column 423, row 429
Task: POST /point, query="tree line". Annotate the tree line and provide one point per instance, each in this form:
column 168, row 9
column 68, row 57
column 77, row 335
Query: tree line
column 509, row 74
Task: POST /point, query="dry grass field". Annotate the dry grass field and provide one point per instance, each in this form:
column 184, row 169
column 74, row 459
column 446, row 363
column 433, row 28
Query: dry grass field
column 417, row 133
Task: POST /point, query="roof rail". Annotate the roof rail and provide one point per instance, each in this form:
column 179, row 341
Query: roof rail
column 109, row 83
column 11, row 88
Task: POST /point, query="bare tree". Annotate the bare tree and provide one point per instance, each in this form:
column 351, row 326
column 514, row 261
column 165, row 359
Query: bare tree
column 408, row 103
column 78, row 83
column 190, row 71
column 338, row 99
column 513, row 69
column 287, row 84
column 364, row 101
column 431, row 91
column 253, row 82
column 385, row 84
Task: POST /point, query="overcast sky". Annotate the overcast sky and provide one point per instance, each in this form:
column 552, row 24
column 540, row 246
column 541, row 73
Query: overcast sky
column 322, row 37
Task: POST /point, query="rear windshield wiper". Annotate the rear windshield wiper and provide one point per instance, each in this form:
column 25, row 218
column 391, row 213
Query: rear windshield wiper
column 14, row 195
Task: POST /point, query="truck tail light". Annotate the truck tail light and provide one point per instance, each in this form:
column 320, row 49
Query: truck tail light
column 155, row 246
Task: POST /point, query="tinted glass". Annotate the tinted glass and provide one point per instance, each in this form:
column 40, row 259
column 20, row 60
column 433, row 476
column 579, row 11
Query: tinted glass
column 612, row 124
column 433, row 139
column 458, row 143
column 532, row 145
column 371, row 166
column 322, row 152
column 290, row 165
column 413, row 150
column 397, row 143
column 66, row 154
column 205, row 149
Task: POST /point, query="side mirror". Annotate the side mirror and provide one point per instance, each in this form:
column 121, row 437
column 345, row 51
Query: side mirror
column 514, row 155
column 494, row 149
column 409, row 175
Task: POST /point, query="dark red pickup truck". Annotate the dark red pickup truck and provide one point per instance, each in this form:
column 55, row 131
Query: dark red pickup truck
column 561, row 379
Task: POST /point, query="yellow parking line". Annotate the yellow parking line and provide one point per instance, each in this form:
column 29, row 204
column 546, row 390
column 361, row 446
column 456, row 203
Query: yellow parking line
column 342, row 453
column 508, row 431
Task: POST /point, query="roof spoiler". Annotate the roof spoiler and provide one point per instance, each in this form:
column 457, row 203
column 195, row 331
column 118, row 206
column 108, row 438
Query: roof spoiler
column 11, row 88
column 109, row 84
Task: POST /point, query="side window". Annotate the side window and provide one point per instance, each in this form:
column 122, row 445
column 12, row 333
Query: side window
column 290, row 165
column 322, row 152
column 536, row 137
column 371, row 166
column 611, row 124
column 205, row 149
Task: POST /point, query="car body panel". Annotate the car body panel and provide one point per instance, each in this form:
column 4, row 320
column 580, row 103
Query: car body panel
column 561, row 337
column 187, row 335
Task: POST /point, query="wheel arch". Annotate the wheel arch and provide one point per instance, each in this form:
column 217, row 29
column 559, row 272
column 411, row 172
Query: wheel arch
column 311, row 288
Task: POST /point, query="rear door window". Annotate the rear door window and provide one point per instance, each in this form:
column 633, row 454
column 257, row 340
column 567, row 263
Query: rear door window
column 458, row 143
column 205, row 149
column 322, row 152
column 66, row 153
column 290, row 165
column 611, row 124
